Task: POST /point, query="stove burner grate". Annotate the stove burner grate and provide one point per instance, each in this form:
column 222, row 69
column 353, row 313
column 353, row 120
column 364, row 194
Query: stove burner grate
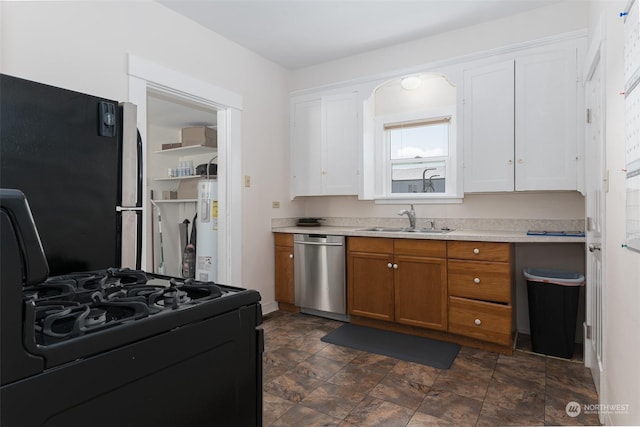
column 60, row 320
column 78, row 304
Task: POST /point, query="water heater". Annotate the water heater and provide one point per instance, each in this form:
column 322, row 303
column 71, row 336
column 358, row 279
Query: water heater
column 207, row 237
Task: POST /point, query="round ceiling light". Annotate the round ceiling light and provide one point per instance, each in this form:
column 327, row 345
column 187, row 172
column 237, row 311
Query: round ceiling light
column 411, row 82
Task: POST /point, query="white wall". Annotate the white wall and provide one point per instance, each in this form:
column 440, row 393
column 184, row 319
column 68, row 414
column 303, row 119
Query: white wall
column 536, row 24
column 544, row 22
column 83, row 46
column 622, row 266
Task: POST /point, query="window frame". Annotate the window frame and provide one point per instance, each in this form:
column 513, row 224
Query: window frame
column 453, row 162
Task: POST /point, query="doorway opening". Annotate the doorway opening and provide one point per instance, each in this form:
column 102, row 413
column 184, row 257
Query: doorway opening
column 168, row 100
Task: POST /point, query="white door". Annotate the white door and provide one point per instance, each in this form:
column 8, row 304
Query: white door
column 595, row 181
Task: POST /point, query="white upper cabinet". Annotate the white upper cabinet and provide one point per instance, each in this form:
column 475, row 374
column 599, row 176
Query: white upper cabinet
column 488, row 128
column 306, row 137
column 520, row 122
column 324, row 145
column 546, row 121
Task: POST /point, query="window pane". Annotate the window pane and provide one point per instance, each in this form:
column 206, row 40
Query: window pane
column 422, row 141
column 423, row 177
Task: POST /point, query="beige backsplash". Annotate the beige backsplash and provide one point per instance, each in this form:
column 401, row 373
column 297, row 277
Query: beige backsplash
column 454, row 223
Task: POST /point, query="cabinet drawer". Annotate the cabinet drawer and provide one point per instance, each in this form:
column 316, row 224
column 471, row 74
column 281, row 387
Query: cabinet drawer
column 283, row 239
column 481, row 251
column 488, row 281
column 481, row 320
column 428, row 248
column 370, row 244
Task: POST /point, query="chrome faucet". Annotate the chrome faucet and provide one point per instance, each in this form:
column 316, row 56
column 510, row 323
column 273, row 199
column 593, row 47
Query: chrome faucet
column 412, row 216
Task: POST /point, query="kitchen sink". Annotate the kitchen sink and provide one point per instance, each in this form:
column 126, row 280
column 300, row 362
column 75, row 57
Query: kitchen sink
column 408, row 230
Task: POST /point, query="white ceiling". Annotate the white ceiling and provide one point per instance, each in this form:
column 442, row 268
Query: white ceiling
column 301, row 33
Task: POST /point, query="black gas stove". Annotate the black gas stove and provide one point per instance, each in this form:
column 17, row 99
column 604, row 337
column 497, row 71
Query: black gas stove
column 120, row 347
column 72, row 306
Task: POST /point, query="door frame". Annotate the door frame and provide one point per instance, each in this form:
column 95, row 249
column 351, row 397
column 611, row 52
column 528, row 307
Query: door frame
column 144, row 76
column 595, row 60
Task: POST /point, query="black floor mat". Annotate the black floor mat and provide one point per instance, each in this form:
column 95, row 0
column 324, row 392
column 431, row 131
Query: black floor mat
column 409, row 348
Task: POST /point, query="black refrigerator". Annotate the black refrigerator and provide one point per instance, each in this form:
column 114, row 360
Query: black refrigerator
column 78, row 160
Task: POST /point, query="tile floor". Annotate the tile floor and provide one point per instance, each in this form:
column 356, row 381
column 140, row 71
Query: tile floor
column 311, row 383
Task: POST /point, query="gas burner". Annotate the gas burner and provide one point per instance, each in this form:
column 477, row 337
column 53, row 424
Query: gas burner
column 96, row 316
column 102, row 279
column 85, row 281
column 198, row 290
column 44, row 309
column 172, row 298
column 203, row 290
column 128, row 276
column 59, row 320
column 63, row 289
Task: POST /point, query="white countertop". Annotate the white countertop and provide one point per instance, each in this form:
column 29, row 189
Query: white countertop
column 471, row 235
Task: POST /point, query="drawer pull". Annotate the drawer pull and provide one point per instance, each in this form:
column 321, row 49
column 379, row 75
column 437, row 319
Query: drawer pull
column 290, row 256
column 478, row 322
column 476, row 251
column 476, row 280
column 389, row 265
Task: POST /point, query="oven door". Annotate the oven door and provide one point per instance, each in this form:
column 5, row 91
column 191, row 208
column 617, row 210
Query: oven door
column 205, row 373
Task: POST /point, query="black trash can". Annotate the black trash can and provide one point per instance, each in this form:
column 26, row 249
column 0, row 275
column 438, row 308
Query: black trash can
column 553, row 310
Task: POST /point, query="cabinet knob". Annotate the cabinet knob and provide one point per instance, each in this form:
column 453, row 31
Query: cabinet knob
column 476, row 280
column 476, row 251
column 389, row 265
column 520, row 161
column 291, row 256
column 510, row 162
column 395, row 266
column 478, row 322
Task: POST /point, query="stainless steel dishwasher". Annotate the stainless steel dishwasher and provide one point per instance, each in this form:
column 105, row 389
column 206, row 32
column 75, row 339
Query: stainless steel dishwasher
column 319, row 275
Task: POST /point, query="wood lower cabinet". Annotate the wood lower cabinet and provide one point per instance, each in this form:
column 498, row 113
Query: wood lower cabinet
column 370, row 289
column 480, row 283
column 284, row 278
column 482, row 320
column 398, row 280
column 457, row 291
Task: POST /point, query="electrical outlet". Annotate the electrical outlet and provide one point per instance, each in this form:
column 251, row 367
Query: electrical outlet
column 247, row 181
column 275, row 204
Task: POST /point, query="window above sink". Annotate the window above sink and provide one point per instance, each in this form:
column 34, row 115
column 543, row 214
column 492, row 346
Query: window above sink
column 414, row 144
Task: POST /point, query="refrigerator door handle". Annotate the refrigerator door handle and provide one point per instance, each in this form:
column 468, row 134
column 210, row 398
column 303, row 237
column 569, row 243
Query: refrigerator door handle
column 140, row 177
column 139, row 240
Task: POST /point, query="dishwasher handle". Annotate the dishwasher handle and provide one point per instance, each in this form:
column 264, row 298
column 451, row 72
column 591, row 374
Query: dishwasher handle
column 319, row 243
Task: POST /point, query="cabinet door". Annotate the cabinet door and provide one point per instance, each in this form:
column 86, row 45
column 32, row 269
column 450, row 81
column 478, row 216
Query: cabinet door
column 340, row 155
column 306, row 148
column 421, row 292
column 371, row 285
column 546, row 127
column 488, row 128
column 284, row 274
